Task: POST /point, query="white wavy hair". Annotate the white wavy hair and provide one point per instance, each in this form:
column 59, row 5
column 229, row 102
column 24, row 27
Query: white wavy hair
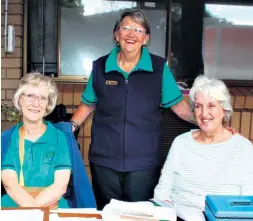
column 215, row 89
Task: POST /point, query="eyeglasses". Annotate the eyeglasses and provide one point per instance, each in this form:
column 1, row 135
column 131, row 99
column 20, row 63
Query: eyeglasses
column 31, row 98
column 127, row 29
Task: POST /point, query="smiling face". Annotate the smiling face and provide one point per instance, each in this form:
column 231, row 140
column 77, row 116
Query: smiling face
column 131, row 36
column 208, row 112
column 34, row 102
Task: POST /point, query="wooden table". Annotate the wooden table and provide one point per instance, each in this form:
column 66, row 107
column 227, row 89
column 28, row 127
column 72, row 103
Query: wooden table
column 47, row 212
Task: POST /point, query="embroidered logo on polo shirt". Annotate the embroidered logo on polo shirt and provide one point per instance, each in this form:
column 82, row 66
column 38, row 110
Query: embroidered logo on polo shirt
column 49, row 156
column 111, row 82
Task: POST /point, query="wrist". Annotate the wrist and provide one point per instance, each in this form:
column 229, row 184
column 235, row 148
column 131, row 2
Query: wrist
column 75, row 126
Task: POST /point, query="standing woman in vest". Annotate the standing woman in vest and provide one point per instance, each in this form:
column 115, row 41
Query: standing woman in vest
column 36, row 165
column 125, row 91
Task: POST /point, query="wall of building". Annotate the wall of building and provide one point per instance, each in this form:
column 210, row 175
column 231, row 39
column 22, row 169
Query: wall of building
column 11, row 72
column 11, row 64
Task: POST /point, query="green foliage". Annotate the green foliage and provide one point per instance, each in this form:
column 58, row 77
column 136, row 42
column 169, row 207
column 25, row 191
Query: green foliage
column 11, row 112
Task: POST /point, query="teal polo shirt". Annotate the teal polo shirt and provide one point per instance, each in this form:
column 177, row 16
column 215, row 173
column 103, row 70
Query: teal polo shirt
column 170, row 94
column 41, row 159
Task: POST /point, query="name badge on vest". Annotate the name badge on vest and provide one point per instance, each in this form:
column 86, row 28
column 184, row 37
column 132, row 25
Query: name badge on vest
column 111, row 82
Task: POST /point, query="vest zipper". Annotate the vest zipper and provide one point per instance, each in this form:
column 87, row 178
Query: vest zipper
column 125, row 111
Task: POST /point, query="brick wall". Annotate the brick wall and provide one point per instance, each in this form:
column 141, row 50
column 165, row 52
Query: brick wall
column 242, row 119
column 11, row 68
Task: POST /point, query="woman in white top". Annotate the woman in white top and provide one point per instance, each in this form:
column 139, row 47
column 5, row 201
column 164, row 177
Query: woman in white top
column 210, row 160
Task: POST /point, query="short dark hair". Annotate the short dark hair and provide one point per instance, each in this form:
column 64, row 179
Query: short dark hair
column 137, row 16
column 116, row 27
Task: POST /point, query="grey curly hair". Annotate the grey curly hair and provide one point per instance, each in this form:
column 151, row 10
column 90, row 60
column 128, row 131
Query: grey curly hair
column 37, row 79
column 213, row 88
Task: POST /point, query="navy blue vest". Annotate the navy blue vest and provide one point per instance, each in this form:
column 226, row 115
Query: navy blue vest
column 126, row 128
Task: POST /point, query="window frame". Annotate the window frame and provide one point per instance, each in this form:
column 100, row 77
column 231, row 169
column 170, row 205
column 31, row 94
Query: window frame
column 81, row 79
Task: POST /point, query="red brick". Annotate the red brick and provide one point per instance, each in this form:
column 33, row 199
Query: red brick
column 10, row 84
column 87, row 126
column 249, row 103
column 68, row 95
column 232, row 100
column 248, row 97
column 3, row 92
column 18, row 42
column 3, row 73
column 11, row 63
column 235, row 121
column 60, row 93
column 16, row 54
column 3, row 54
column 81, row 132
column 14, row 1
column 239, row 98
column 13, row 9
column 86, row 148
column 14, row 73
column 9, row 94
column 13, row 19
column 245, row 124
column 78, row 93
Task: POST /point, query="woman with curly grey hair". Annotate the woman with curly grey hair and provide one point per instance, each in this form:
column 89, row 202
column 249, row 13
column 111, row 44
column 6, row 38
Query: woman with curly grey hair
column 210, row 160
column 36, row 168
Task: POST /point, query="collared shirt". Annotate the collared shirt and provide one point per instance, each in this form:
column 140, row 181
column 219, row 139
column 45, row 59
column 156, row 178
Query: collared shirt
column 170, row 94
column 42, row 158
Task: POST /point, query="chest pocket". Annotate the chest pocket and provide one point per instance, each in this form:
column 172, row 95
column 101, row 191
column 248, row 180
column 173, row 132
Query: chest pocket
column 48, row 156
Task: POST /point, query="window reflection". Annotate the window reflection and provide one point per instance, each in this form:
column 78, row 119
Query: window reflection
column 86, row 31
column 101, row 6
column 227, row 41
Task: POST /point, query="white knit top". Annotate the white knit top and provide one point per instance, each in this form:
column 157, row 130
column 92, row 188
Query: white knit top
column 193, row 170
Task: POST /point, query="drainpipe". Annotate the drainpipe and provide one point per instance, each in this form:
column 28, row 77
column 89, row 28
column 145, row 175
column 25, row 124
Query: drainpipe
column 5, row 24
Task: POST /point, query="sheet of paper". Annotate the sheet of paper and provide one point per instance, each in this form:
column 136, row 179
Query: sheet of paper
column 21, row 215
column 116, row 210
column 189, row 214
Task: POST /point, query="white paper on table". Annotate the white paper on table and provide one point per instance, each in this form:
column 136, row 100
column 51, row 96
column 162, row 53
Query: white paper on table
column 142, row 210
column 189, row 213
column 21, row 215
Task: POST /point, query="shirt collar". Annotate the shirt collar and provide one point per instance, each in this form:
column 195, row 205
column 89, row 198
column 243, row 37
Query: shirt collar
column 50, row 135
column 144, row 63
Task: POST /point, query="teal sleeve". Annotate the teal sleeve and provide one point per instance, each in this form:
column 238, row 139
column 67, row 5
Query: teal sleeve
column 89, row 96
column 171, row 94
column 9, row 160
column 62, row 156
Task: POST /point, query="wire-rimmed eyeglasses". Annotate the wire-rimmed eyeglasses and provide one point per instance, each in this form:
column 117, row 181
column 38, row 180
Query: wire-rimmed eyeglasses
column 127, row 29
column 31, row 98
